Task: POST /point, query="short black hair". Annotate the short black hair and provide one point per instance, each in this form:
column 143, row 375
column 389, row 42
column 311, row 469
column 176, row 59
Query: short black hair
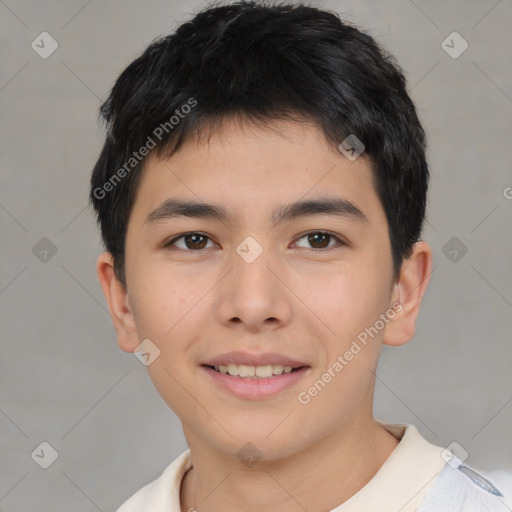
column 259, row 62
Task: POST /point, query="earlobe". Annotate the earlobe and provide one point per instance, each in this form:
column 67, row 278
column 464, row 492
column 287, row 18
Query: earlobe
column 409, row 291
column 118, row 304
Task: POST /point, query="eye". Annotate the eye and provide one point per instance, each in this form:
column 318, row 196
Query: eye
column 195, row 241
column 320, row 239
column 191, row 241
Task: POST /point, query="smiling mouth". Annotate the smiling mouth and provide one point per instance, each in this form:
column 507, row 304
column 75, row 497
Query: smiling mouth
column 267, row 371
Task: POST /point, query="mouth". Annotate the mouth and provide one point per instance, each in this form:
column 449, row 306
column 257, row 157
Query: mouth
column 260, row 382
column 242, row 371
column 254, row 376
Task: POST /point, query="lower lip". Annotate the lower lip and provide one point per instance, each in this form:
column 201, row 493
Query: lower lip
column 255, row 389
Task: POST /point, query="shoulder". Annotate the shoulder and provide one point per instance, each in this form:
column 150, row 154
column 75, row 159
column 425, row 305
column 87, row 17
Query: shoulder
column 163, row 493
column 459, row 487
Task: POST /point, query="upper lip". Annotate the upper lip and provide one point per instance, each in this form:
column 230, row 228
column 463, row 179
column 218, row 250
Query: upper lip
column 248, row 359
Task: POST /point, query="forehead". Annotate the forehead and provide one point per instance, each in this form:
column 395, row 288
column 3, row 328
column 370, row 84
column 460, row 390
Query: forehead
column 251, row 169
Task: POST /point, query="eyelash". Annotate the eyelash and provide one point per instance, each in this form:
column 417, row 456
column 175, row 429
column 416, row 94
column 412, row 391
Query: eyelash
column 169, row 244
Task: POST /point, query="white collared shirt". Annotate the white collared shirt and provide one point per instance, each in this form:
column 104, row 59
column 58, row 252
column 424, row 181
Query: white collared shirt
column 414, row 475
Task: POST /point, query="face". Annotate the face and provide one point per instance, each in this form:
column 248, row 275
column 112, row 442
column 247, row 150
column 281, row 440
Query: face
column 258, row 286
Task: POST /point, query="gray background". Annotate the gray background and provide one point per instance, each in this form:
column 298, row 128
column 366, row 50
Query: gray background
column 62, row 378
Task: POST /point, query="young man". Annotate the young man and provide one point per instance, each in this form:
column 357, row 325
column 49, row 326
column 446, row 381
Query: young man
column 261, row 193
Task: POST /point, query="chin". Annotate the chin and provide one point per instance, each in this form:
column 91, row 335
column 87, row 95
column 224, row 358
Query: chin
column 259, row 446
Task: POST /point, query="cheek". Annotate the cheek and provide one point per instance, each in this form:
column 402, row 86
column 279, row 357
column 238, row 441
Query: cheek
column 346, row 300
column 169, row 311
column 351, row 306
column 168, row 316
column 160, row 301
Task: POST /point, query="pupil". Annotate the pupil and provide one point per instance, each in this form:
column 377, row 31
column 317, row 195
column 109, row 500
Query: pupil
column 314, row 239
column 194, row 239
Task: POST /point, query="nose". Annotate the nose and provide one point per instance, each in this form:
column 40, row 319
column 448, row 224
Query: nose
column 254, row 296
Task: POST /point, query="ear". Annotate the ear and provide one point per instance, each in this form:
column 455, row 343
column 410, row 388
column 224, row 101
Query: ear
column 408, row 291
column 118, row 304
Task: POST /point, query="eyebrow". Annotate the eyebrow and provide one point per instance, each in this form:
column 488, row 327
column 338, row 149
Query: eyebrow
column 172, row 208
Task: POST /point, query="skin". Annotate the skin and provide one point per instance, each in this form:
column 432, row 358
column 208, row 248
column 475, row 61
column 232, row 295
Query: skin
column 292, row 300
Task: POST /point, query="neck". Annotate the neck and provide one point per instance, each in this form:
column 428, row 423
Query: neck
column 351, row 456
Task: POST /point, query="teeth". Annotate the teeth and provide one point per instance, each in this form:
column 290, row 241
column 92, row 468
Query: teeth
column 278, row 369
column 264, row 371
column 254, row 372
column 246, row 371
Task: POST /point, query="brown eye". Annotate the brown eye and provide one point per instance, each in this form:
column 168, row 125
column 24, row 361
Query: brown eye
column 320, row 240
column 190, row 242
column 195, row 241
